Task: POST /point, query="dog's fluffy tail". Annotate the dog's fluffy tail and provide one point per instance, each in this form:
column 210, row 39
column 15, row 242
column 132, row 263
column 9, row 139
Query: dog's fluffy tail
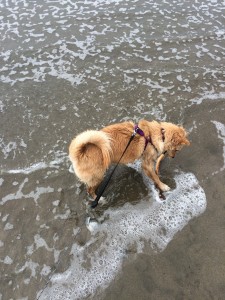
column 90, row 149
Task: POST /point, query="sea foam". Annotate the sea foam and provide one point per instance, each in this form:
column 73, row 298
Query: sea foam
column 96, row 264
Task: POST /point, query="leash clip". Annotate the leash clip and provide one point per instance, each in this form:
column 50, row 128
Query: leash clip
column 136, row 128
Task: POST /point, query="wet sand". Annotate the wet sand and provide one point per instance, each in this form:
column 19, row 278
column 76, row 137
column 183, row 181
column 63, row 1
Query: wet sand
column 82, row 66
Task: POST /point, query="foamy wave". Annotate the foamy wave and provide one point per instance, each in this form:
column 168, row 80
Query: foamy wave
column 38, row 166
column 208, row 96
column 155, row 224
column 221, row 135
column 35, row 195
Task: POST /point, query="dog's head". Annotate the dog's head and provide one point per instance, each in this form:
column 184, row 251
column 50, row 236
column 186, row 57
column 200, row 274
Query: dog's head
column 176, row 138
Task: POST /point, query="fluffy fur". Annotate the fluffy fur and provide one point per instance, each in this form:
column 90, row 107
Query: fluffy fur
column 92, row 151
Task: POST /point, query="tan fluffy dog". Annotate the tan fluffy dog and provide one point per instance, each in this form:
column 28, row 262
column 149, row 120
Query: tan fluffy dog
column 92, row 151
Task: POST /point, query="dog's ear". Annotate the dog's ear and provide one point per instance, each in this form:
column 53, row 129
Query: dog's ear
column 176, row 138
column 186, row 142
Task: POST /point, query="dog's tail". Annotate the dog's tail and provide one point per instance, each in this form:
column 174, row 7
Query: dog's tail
column 91, row 147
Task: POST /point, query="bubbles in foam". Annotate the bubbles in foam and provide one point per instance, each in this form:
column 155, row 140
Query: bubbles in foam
column 96, row 264
column 221, row 135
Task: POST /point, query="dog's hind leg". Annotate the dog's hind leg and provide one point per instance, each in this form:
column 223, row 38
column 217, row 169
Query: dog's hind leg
column 91, row 191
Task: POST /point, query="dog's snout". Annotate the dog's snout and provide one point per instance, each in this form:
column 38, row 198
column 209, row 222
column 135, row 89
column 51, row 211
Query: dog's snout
column 172, row 155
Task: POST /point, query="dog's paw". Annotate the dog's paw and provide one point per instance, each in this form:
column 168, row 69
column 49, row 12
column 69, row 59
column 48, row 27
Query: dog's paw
column 164, row 188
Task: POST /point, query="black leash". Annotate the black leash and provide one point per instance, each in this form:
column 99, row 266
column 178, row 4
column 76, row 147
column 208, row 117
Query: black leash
column 103, row 187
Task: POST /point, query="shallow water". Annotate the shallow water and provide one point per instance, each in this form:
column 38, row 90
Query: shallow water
column 68, row 66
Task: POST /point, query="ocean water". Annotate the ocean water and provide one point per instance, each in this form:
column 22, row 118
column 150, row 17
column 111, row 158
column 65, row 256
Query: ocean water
column 68, row 66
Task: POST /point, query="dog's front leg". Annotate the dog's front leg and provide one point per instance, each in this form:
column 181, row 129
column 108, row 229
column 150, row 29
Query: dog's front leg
column 148, row 167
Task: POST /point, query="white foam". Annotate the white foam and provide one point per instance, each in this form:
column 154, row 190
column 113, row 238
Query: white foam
column 156, row 224
column 7, row 149
column 35, row 167
column 28, row 170
column 208, row 96
column 8, row 226
column 2, row 106
column 63, row 216
column 221, row 135
column 29, row 264
column 8, row 260
column 33, row 194
column 4, row 219
column 45, row 270
column 40, row 242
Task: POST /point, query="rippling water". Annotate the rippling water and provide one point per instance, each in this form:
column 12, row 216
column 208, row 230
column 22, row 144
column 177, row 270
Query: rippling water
column 66, row 66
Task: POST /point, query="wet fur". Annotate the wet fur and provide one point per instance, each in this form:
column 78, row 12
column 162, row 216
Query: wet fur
column 92, row 152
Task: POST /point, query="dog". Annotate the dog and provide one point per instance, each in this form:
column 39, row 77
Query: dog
column 92, row 152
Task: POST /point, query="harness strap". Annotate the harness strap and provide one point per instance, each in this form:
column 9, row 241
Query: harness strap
column 163, row 134
column 147, row 139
